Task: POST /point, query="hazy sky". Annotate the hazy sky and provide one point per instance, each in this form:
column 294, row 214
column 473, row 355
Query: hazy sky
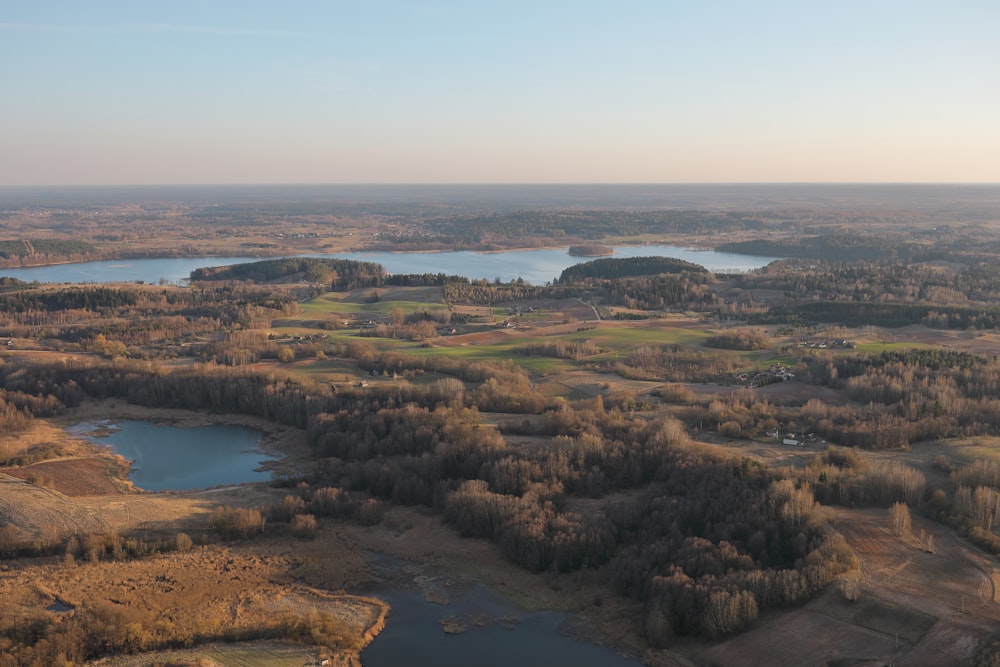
column 413, row 91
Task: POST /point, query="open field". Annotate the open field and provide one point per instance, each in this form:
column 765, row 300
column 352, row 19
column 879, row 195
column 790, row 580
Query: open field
column 212, row 591
column 916, row 607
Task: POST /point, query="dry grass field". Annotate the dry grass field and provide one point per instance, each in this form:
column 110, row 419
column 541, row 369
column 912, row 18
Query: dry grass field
column 213, row 591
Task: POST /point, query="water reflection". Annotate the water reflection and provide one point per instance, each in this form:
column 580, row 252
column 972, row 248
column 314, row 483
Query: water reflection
column 483, row 630
column 535, row 266
column 174, row 458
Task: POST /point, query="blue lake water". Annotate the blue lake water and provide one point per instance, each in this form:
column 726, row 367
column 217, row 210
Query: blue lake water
column 173, row 270
column 414, row 636
column 176, row 459
column 534, row 266
column 543, row 265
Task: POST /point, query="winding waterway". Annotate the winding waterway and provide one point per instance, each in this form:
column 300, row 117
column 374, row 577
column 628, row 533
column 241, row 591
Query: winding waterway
column 491, row 633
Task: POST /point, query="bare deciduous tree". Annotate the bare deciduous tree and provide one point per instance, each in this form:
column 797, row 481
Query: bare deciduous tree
column 899, row 519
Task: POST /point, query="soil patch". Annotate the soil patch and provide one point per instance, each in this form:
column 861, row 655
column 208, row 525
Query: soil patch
column 476, row 338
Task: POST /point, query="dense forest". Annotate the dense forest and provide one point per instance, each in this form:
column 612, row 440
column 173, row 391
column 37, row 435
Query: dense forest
column 44, row 248
column 494, row 231
column 616, row 267
column 704, row 543
column 870, row 293
column 338, row 273
column 935, row 244
column 137, row 320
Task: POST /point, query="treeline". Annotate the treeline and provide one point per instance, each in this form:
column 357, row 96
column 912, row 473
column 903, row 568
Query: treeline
column 841, row 476
column 676, row 364
column 136, row 315
column 739, row 339
column 855, row 314
column 414, row 330
column 688, row 290
column 561, row 349
column 80, row 298
column 883, row 292
column 499, row 230
column 618, row 267
column 891, row 408
column 423, row 279
column 485, row 293
column 970, row 502
column 497, row 386
column 656, row 292
column 338, row 273
column 13, row 418
column 836, row 247
column 896, row 398
column 938, row 244
column 45, row 247
column 8, row 284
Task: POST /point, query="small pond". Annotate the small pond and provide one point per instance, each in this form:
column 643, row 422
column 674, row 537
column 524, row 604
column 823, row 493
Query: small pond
column 176, row 459
column 491, row 633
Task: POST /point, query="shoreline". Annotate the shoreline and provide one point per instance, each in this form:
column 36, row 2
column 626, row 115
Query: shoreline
column 282, row 444
column 614, row 244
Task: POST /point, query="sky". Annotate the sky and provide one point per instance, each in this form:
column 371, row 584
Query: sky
column 547, row 91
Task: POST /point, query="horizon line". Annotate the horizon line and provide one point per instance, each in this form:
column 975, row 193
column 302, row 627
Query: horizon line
column 483, row 183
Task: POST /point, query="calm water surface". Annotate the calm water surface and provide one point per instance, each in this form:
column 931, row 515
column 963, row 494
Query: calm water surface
column 176, row 459
column 541, row 266
column 413, row 636
column 535, row 266
column 172, row 270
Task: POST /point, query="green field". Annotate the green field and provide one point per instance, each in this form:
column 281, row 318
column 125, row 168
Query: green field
column 323, row 305
column 614, row 342
column 876, row 347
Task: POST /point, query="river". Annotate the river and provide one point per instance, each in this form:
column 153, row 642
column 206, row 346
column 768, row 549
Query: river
column 487, row 632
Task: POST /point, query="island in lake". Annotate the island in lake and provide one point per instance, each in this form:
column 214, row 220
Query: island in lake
column 590, row 250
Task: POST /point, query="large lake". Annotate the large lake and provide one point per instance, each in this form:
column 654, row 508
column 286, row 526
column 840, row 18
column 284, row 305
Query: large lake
column 534, row 266
column 171, row 458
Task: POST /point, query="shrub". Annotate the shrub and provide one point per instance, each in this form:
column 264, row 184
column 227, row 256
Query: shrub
column 183, row 543
column 304, row 526
column 237, row 522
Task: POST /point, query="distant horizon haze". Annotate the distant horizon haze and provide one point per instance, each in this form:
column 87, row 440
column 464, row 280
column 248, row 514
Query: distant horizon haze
column 442, row 199
column 221, row 183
